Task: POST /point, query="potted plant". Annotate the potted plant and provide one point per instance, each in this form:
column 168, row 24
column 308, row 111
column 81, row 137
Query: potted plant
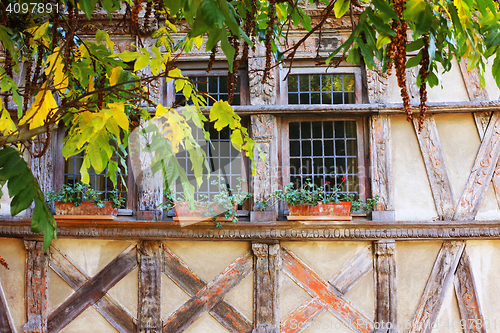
column 80, row 200
column 223, row 206
column 315, row 203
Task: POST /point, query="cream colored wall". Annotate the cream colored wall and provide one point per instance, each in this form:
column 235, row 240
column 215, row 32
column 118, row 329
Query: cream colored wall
column 490, row 84
column 12, row 280
column 451, row 89
column 460, row 142
column 412, row 193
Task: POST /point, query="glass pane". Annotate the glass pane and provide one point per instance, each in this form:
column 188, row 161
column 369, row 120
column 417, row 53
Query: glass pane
column 340, row 164
column 236, row 99
column 293, row 99
column 339, row 148
column 337, row 98
column 317, row 148
column 352, row 165
column 304, row 82
column 328, row 129
column 329, row 166
column 348, row 82
column 213, row 85
column 294, row 166
column 315, row 98
column 294, row 130
column 350, row 98
column 294, row 148
column 316, row 129
column 351, row 148
column 223, row 84
column 339, row 129
column 306, row 130
column 326, row 98
column 337, row 82
column 328, row 144
column 326, row 82
column 304, row 98
column 306, row 148
column 318, row 166
column 306, row 166
column 351, row 129
column 292, row 83
column 315, row 82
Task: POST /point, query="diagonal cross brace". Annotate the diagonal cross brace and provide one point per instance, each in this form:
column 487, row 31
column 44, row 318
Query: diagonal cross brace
column 325, row 294
column 207, row 297
column 75, row 277
column 92, row 290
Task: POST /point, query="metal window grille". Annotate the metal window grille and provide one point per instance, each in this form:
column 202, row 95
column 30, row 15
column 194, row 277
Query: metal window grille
column 223, row 159
column 321, row 89
column 214, row 86
column 324, row 152
column 98, row 181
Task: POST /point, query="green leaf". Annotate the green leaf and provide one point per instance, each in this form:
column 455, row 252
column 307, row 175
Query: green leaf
column 23, row 200
column 229, row 51
column 496, row 68
column 414, row 61
column 41, row 31
column 126, row 56
column 415, row 45
column 87, row 6
column 43, row 221
column 379, row 24
column 211, row 14
column 141, row 62
column 341, row 7
column 385, row 8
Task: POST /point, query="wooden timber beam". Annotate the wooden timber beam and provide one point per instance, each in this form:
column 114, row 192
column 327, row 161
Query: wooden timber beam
column 36, row 288
column 92, row 290
column 267, row 264
column 6, row 322
column 386, row 291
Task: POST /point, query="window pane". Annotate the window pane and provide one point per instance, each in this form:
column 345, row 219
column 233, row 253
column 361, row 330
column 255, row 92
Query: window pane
column 294, row 130
column 315, row 82
column 348, row 82
column 321, row 89
column 337, row 83
column 292, row 83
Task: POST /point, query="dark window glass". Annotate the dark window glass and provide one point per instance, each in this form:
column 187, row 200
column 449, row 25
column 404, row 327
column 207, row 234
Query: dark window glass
column 214, row 86
column 321, row 89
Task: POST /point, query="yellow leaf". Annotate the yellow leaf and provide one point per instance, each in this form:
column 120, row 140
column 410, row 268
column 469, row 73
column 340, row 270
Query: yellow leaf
column 7, row 126
column 117, row 112
column 198, row 41
column 141, row 62
column 171, row 26
column 42, row 30
column 173, row 74
column 160, row 110
column 113, row 76
column 57, row 67
column 41, row 110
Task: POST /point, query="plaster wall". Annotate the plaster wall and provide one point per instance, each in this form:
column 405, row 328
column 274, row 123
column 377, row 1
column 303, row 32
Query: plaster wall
column 490, row 84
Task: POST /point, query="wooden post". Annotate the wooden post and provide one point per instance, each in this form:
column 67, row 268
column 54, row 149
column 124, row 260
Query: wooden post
column 475, row 89
column 150, row 268
column 36, row 292
column 385, row 282
column 267, row 262
column 381, row 167
column 264, row 131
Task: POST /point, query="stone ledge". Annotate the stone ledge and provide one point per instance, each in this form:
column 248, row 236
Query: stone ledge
column 356, row 230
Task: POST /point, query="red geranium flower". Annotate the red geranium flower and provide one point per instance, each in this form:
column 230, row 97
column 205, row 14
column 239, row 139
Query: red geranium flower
column 327, row 183
column 344, row 178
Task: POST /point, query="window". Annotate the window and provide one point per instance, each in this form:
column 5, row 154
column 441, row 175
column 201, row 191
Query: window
column 321, row 89
column 98, row 181
column 324, row 152
column 215, row 86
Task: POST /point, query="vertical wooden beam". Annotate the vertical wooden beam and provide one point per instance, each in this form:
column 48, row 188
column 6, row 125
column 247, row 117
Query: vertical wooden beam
column 381, row 162
column 267, row 262
column 475, row 89
column 150, row 268
column 435, row 165
column 435, row 290
column 6, row 322
column 482, row 171
column 385, row 282
column 482, row 120
column 36, row 291
column 468, row 301
column 264, row 131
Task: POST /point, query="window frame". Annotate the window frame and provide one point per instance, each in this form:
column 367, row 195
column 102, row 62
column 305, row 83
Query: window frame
column 363, row 154
column 308, row 69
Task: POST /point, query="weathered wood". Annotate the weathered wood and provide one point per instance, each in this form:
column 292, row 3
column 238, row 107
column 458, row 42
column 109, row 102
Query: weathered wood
column 435, row 290
column 356, row 269
column 482, row 120
column 299, row 319
column 435, row 165
column 75, row 277
column 149, row 301
column 482, row 171
column 468, row 301
column 36, row 287
column 386, row 290
column 188, row 281
column 266, row 291
column 6, row 322
column 336, row 303
column 475, row 89
column 210, row 295
column 381, row 161
column 92, row 290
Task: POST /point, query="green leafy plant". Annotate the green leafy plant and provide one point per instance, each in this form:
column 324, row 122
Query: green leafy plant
column 78, row 192
column 226, row 200
column 313, row 195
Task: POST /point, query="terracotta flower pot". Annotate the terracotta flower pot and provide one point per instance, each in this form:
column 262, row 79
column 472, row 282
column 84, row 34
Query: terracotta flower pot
column 331, row 210
column 198, row 213
column 85, row 208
